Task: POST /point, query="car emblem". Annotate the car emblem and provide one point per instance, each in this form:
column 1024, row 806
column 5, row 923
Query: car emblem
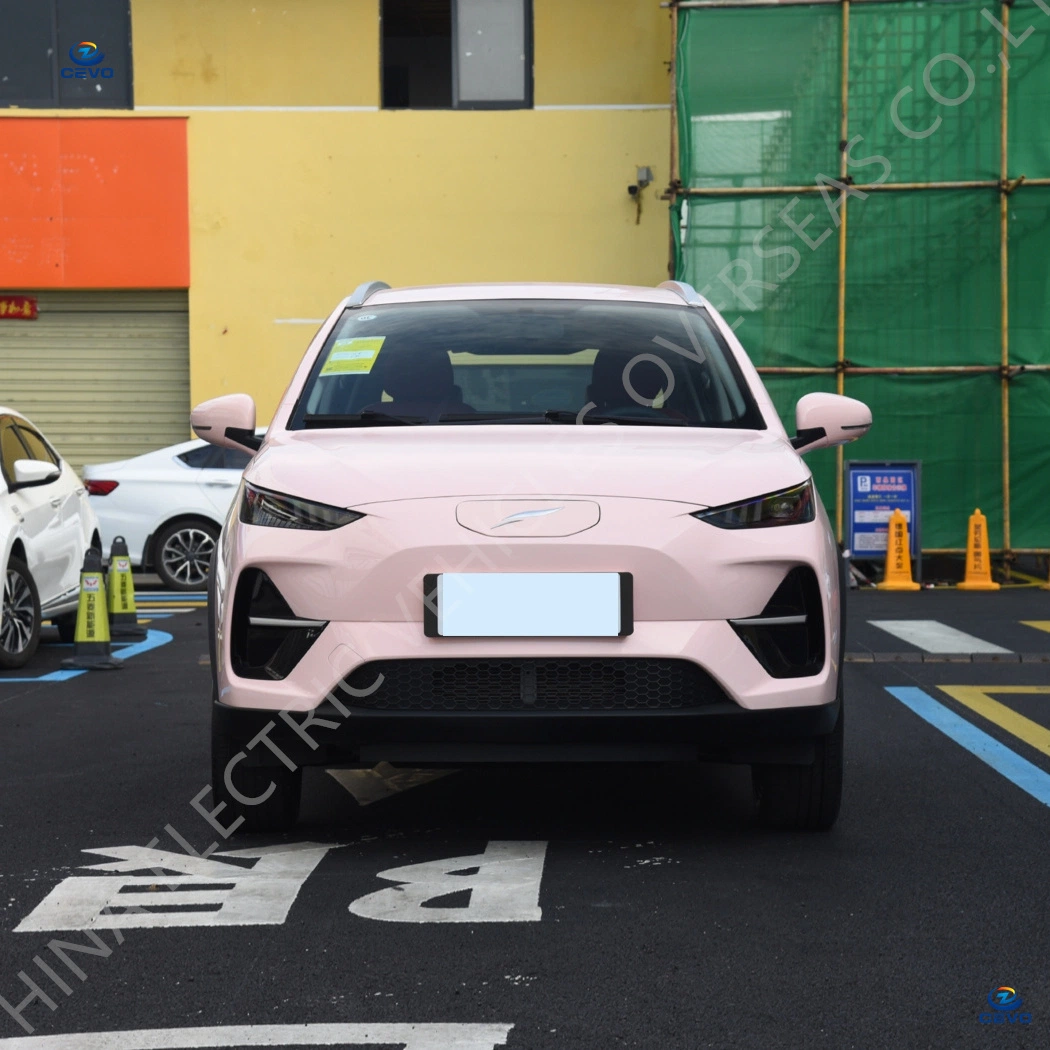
column 523, row 514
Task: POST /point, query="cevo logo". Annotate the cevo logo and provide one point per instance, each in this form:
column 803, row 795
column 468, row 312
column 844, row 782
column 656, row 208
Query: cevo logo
column 87, row 63
column 1006, row 1006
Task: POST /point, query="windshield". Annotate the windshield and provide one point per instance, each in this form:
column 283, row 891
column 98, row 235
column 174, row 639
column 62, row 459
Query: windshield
column 527, row 361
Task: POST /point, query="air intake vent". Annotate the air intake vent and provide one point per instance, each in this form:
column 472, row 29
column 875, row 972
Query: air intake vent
column 267, row 639
column 787, row 637
column 618, row 684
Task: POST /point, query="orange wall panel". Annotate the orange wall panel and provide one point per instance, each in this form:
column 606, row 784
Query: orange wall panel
column 93, row 203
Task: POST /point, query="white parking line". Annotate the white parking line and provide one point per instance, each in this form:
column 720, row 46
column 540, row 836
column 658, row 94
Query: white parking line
column 936, row 637
column 408, row 1036
column 503, row 885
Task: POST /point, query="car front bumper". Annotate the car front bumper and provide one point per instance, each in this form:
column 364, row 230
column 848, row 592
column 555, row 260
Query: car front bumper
column 364, row 581
column 338, row 735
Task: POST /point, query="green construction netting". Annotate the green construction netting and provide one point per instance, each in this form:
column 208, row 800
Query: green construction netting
column 1029, row 232
column 1029, row 90
column 945, row 125
column 780, row 296
column 754, row 107
column 759, row 95
column 922, row 278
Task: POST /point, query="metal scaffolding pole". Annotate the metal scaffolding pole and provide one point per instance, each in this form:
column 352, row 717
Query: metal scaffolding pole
column 840, row 332
column 673, row 180
column 859, row 187
column 1004, row 278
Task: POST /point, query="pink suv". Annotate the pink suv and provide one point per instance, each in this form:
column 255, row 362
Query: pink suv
column 518, row 522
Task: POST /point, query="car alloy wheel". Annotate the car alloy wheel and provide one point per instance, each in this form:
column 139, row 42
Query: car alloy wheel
column 20, row 624
column 19, row 614
column 185, row 556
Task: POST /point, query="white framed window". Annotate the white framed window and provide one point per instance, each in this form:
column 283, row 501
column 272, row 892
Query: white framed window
column 457, row 54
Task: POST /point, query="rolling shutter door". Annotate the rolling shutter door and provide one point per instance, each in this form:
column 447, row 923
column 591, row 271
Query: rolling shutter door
column 105, row 375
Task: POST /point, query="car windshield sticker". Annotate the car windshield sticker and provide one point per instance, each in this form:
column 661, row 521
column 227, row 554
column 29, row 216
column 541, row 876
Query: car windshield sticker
column 353, row 356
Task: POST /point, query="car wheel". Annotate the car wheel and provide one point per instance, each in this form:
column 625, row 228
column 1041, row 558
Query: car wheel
column 803, row 798
column 20, row 623
column 278, row 811
column 183, row 553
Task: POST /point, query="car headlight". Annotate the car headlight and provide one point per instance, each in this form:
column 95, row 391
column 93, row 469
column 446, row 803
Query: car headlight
column 789, row 507
column 276, row 511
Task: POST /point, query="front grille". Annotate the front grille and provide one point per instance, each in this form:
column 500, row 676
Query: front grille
column 621, row 684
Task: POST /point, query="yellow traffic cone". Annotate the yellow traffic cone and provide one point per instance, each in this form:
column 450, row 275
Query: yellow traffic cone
column 898, row 557
column 120, row 593
column 978, row 560
column 91, row 641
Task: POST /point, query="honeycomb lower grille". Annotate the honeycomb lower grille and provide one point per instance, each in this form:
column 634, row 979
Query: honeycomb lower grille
column 621, row 684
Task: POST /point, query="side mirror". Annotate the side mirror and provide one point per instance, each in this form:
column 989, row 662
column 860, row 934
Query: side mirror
column 32, row 472
column 827, row 420
column 227, row 421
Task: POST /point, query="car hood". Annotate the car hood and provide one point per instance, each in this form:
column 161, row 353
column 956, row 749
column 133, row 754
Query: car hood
column 355, row 467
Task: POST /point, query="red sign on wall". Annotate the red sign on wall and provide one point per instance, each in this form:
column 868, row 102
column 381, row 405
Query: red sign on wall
column 17, row 308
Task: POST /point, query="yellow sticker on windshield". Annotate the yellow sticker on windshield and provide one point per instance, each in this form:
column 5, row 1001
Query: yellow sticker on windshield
column 353, row 356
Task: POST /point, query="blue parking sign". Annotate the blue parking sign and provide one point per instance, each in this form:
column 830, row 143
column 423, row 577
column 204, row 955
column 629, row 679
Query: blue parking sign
column 873, row 492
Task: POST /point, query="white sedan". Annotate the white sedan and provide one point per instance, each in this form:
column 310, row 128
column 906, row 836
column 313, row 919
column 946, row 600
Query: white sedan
column 46, row 527
column 169, row 505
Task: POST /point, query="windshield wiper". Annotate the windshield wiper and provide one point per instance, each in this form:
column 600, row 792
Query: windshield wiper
column 370, row 417
column 492, row 417
column 557, row 415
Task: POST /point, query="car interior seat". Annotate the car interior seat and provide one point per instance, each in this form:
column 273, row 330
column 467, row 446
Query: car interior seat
column 608, row 389
column 420, row 384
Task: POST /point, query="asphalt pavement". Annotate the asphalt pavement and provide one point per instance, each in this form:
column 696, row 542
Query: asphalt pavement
column 567, row 908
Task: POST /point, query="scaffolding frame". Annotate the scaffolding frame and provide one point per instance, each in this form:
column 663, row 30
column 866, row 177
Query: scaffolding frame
column 1004, row 186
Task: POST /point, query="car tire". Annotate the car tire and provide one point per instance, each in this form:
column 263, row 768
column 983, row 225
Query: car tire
column 67, row 627
column 277, row 812
column 20, row 622
column 803, row 798
column 182, row 554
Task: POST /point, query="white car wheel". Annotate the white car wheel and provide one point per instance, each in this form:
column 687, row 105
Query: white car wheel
column 184, row 553
column 20, row 624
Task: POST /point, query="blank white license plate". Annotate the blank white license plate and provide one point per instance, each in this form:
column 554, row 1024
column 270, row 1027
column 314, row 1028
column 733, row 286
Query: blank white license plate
column 527, row 605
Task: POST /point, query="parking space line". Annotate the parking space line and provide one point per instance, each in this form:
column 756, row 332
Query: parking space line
column 410, row 1036
column 153, row 640
column 977, row 698
column 1027, row 776
column 936, row 637
column 1039, row 625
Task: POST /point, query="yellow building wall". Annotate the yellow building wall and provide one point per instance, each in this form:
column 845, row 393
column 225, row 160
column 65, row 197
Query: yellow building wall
column 256, row 52
column 292, row 206
column 602, row 52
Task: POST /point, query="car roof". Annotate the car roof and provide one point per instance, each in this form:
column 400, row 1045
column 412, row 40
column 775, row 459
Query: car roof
column 626, row 293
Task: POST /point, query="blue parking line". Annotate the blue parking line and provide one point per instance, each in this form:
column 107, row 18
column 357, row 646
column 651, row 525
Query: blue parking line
column 153, row 640
column 1020, row 771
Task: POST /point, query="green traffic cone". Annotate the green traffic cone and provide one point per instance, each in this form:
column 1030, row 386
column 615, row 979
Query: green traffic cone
column 91, row 642
column 120, row 594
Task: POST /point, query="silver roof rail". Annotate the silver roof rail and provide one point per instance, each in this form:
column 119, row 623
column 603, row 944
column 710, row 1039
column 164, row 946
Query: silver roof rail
column 364, row 291
column 684, row 291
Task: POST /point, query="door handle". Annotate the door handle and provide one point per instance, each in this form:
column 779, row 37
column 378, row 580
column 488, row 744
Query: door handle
column 57, row 501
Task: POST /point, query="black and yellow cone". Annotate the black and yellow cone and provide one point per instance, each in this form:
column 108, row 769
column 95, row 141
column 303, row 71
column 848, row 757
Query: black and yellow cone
column 120, row 594
column 91, row 641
